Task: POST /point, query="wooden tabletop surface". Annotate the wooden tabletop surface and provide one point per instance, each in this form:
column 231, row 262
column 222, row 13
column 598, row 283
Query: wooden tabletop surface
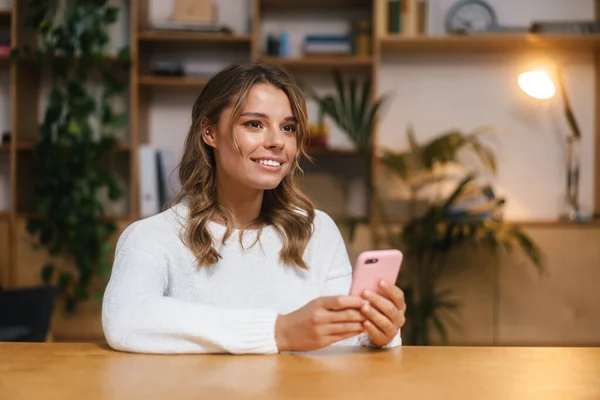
column 89, row 371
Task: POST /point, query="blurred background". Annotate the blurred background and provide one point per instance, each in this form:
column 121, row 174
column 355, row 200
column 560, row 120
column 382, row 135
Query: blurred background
column 463, row 132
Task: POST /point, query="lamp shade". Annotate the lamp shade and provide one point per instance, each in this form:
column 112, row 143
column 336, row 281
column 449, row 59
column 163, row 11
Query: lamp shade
column 537, row 84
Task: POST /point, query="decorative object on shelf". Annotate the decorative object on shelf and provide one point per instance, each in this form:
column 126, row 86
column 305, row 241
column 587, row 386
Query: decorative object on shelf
column 363, row 38
column 73, row 159
column 272, row 45
column 319, row 134
column 192, row 16
column 194, row 11
column 285, row 46
column 6, row 136
column 469, row 16
column 540, row 85
column 468, row 216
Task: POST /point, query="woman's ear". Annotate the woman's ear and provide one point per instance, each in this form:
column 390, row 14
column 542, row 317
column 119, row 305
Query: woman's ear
column 209, row 135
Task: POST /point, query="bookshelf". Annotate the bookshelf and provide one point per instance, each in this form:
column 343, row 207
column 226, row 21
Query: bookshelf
column 340, row 62
column 159, row 36
column 25, row 91
column 488, row 43
column 168, row 81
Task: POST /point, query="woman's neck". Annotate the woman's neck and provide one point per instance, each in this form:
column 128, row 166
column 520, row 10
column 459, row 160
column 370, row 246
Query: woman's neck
column 244, row 205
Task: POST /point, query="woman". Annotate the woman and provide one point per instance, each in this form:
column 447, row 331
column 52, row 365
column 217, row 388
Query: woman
column 242, row 263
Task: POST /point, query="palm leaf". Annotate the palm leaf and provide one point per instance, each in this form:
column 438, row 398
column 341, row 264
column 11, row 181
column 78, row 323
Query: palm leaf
column 457, row 192
column 351, row 108
column 440, row 328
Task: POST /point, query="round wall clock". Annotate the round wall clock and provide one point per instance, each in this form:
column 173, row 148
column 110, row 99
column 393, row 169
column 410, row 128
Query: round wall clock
column 470, row 16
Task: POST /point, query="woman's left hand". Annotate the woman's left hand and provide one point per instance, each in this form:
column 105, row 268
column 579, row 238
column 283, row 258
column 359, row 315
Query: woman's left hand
column 385, row 314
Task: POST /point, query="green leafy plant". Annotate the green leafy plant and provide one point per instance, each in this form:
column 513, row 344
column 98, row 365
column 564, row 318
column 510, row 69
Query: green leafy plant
column 353, row 108
column 469, row 216
column 74, row 157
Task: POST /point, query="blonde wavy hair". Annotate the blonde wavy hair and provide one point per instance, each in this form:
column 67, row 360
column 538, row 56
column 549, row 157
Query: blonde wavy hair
column 286, row 207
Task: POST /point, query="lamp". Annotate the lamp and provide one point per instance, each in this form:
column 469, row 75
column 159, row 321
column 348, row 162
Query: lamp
column 540, row 85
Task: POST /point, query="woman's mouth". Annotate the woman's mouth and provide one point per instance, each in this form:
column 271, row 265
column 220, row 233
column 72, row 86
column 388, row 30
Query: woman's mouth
column 270, row 164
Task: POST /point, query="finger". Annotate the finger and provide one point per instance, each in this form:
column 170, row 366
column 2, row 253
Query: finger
column 346, row 316
column 341, row 302
column 395, row 294
column 341, row 328
column 377, row 337
column 379, row 320
column 384, row 305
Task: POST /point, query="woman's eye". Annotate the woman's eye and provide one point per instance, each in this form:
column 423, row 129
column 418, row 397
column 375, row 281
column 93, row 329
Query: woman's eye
column 253, row 124
column 290, row 128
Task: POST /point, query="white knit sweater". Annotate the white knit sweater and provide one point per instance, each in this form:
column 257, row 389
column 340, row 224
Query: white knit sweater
column 159, row 301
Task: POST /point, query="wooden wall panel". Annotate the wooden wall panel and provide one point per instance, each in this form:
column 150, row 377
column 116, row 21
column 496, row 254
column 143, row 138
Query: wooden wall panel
column 505, row 301
column 563, row 307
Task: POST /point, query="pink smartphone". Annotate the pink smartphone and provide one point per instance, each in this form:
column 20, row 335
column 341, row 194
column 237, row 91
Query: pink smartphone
column 374, row 266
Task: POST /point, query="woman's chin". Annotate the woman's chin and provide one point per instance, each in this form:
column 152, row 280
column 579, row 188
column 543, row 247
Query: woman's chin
column 266, row 185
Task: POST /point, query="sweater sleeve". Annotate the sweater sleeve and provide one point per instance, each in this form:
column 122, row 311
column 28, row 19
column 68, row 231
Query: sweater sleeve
column 339, row 276
column 137, row 317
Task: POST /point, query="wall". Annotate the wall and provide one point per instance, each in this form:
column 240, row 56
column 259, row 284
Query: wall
column 435, row 93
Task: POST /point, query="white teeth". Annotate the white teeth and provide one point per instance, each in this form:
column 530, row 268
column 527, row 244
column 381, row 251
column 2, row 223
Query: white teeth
column 269, row 162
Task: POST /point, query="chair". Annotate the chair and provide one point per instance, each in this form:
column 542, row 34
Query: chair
column 25, row 313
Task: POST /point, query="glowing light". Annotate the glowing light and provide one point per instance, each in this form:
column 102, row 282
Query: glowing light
column 537, row 84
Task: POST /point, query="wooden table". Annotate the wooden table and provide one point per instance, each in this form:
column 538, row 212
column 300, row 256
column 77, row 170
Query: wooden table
column 90, row 371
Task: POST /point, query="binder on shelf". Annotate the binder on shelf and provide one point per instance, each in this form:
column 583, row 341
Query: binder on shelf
column 158, row 179
column 148, row 173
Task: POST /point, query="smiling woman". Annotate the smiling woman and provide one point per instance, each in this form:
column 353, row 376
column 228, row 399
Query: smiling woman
column 180, row 284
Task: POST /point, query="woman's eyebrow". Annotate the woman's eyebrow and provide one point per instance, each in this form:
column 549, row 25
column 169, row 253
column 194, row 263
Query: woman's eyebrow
column 265, row 116
column 255, row 114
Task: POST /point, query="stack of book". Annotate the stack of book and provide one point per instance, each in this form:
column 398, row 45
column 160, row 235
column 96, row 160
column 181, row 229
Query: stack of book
column 327, row 45
column 406, row 17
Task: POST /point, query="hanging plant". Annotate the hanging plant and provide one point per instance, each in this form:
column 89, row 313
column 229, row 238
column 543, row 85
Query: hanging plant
column 74, row 157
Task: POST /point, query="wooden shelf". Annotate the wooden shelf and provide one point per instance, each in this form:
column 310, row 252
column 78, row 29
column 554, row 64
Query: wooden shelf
column 489, row 43
column 4, row 147
column 159, row 36
column 321, row 61
column 4, row 215
column 149, row 80
column 323, row 151
column 5, row 12
column 35, row 215
column 594, row 223
column 27, row 146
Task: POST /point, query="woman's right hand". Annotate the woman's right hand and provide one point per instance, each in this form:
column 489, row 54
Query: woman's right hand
column 320, row 323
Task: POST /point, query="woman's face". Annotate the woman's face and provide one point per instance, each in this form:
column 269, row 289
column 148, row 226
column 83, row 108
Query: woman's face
column 266, row 135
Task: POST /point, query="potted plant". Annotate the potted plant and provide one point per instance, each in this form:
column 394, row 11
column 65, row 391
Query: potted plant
column 354, row 110
column 469, row 215
column 73, row 159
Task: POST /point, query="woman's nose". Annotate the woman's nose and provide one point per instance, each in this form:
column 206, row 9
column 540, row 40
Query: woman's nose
column 274, row 139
